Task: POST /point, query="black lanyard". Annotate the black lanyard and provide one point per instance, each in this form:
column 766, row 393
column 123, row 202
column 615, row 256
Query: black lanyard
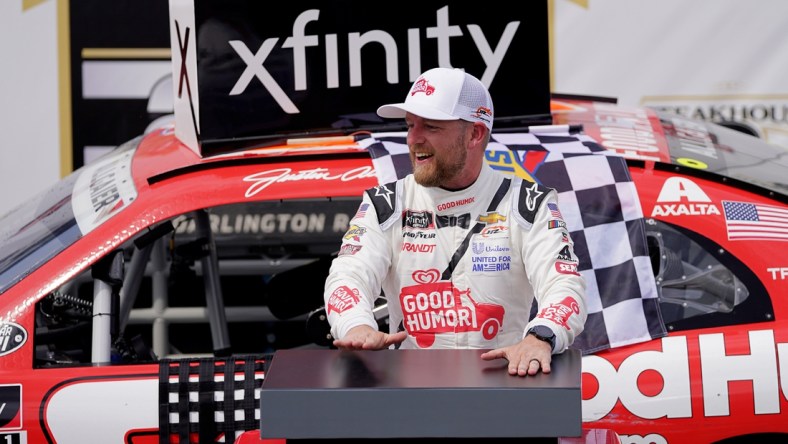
column 455, row 259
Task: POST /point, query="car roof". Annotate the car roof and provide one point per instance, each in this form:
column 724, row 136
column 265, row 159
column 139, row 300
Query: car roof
column 637, row 133
column 162, row 155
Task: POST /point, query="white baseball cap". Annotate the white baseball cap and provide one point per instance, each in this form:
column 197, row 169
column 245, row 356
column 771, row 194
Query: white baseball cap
column 445, row 94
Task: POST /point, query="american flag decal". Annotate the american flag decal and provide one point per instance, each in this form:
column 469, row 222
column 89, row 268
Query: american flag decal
column 755, row 221
column 362, row 211
column 554, row 211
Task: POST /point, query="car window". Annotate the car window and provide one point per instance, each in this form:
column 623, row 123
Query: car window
column 272, row 258
column 35, row 232
column 699, row 283
column 39, row 229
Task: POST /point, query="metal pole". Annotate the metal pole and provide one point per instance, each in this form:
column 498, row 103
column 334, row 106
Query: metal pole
column 213, row 290
column 102, row 321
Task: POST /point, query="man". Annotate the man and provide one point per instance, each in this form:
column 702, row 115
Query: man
column 458, row 250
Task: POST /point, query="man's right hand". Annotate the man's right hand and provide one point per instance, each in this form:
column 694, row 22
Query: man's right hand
column 364, row 337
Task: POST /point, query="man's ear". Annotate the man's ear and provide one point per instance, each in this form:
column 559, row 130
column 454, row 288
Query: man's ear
column 479, row 135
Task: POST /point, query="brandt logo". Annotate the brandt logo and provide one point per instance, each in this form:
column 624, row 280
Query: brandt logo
column 491, row 53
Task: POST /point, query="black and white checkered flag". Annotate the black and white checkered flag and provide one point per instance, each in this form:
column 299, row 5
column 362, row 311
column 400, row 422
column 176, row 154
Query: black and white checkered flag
column 599, row 203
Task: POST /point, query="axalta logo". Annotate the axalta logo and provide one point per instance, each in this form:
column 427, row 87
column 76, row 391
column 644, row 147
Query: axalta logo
column 432, row 307
column 682, row 197
column 491, row 53
column 565, row 254
column 667, row 373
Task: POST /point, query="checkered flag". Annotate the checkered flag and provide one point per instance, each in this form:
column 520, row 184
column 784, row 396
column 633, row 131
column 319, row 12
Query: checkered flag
column 602, row 211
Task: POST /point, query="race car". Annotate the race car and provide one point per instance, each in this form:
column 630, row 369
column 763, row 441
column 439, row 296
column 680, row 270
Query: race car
column 104, row 275
column 143, row 296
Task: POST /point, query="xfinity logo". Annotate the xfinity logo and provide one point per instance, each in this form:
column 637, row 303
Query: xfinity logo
column 441, row 34
column 242, row 75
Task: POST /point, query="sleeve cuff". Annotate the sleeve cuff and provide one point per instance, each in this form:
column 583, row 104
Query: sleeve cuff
column 339, row 330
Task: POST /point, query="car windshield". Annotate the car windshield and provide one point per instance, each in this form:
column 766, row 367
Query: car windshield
column 39, row 229
column 36, row 231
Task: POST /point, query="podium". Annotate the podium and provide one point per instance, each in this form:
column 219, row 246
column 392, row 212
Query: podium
column 328, row 394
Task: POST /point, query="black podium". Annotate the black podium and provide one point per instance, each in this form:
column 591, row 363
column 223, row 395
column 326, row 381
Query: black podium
column 328, row 394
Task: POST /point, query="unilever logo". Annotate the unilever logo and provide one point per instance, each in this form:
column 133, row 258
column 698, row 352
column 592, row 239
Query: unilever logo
column 480, row 247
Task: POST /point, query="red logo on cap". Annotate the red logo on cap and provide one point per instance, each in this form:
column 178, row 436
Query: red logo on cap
column 421, row 85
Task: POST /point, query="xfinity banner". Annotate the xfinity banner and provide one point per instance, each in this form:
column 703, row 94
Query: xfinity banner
column 244, row 72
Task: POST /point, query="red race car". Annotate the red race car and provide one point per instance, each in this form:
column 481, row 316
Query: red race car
column 142, row 297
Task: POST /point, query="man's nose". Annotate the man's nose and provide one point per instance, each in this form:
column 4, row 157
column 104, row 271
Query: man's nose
column 415, row 135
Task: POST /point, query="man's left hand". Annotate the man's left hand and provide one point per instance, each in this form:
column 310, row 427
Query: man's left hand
column 525, row 358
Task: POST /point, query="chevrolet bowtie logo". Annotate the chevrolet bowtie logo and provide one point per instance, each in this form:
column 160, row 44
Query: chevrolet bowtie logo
column 491, row 218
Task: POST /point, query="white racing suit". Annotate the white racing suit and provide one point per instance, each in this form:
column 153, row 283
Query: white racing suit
column 459, row 269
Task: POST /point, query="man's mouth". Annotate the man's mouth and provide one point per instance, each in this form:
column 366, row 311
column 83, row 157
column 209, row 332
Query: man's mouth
column 422, row 156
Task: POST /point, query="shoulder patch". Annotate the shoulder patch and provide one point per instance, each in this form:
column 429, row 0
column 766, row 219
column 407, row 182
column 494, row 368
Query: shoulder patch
column 384, row 199
column 530, row 199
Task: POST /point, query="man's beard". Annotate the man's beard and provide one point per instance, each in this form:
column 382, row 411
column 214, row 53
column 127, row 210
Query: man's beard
column 444, row 166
